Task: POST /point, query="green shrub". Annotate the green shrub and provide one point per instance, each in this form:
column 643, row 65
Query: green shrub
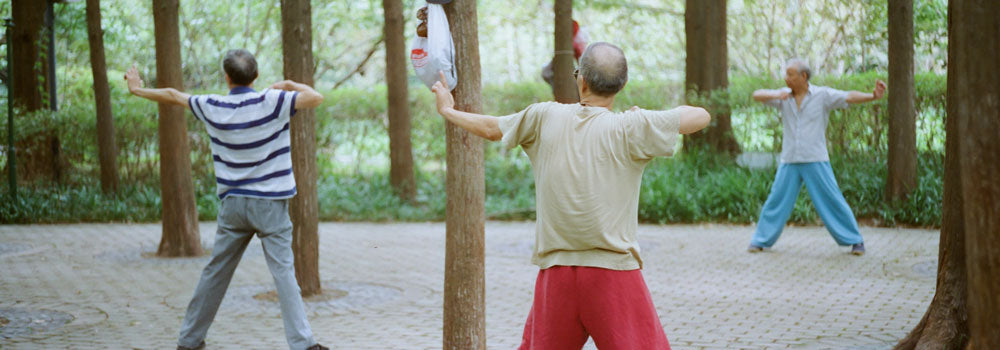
column 352, row 153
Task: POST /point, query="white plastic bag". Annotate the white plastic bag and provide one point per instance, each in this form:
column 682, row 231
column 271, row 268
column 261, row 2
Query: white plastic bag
column 436, row 52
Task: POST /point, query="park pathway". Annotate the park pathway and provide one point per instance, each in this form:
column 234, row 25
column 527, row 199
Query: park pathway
column 96, row 286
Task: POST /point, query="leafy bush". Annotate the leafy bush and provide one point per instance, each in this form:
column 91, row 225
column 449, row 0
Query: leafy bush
column 352, row 147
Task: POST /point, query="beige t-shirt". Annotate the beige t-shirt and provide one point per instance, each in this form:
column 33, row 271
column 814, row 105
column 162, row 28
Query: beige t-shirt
column 588, row 164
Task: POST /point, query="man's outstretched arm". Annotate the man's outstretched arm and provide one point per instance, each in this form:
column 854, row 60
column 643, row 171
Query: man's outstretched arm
column 480, row 125
column 164, row 95
column 764, row 95
column 854, row 97
column 307, row 98
column 692, row 119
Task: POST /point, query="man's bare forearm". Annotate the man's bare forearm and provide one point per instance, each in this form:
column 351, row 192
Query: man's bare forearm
column 854, row 97
column 308, row 97
column 164, row 95
column 484, row 126
column 764, row 95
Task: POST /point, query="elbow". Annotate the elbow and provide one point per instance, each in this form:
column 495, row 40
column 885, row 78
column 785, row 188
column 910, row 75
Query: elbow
column 702, row 118
column 694, row 119
column 494, row 135
column 313, row 100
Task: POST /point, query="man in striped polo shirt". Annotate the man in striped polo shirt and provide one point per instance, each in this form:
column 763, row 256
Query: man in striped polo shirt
column 249, row 134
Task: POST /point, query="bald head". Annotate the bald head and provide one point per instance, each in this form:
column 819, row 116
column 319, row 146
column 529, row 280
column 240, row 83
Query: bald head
column 604, row 69
column 240, row 66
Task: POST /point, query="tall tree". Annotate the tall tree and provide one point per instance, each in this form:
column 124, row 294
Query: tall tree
column 107, row 153
column 38, row 154
column 563, row 84
column 707, row 68
column 30, row 69
column 945, row 325
column 464, row 277
column 297, row 55
column 974, row 99
column 965, row 311
column 180, row 219
column 400, row 149
column 902, row 174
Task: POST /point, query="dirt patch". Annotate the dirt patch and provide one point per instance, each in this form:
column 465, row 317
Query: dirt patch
column 325, row 295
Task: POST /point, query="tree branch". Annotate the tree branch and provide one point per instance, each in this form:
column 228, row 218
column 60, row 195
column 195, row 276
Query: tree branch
column 360, row 65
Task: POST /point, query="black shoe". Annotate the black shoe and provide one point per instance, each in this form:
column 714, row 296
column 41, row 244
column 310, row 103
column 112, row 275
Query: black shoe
column 199, row 347
column 753, row 248
column 858, row 249
column 318, row 347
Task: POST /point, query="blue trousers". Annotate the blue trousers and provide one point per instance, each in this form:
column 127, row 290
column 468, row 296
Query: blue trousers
column 826, row 197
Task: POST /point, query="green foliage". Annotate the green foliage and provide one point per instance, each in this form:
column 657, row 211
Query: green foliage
column 352, row 147
column 699, row 187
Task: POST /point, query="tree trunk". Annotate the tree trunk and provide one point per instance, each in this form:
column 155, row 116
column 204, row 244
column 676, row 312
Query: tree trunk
column 974, row 36
column 563, row 85
column 464, row 278
column 965, row 311
column 107, row 154
column 945, row 325
column 30, row 69
column 902, row 174
column 39, row 153
column 180, row 219
column 400, row 149
column 297, row 55
column 707, row 68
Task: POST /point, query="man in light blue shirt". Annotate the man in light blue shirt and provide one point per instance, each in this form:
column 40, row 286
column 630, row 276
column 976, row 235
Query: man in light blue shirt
column 805, row 111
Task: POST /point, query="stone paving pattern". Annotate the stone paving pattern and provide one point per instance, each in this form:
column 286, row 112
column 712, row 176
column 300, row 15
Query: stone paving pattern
column 385, row 284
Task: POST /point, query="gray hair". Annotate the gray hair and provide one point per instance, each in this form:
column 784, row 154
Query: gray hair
column 801, row 65
column 240, row 66
column 604, row 68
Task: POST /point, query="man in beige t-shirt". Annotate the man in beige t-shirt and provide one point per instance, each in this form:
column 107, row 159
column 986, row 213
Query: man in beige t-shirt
column 588, row 164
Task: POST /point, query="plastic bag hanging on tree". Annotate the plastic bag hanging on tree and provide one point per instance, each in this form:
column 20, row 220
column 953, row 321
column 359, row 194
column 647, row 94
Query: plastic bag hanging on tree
column 433, row 50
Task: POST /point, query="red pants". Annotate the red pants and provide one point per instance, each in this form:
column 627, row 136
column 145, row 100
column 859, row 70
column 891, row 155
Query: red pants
column 574, row 302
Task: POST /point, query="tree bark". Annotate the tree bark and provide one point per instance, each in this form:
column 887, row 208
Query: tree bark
column 107, row 153
column 965, row 311
column 707, row 68
column 974, row 36
column 902, row 173
column 180, row 219
column 38, row 154
column 945, row 325
column 30, row 69
column 563, row 85
column 464, row 278
column 400, row 150
column 297, row 55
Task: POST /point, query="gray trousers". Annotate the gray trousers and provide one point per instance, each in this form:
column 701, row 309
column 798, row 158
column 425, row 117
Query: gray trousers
column 239, row 219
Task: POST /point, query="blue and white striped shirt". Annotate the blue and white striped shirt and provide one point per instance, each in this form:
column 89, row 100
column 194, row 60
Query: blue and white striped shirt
column 251, row 144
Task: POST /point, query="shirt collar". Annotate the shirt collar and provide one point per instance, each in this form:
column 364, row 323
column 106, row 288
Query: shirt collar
column 811, row 89
column 241, row 90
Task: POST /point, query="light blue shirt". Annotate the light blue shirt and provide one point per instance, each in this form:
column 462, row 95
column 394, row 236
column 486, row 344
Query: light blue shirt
column 804, row 138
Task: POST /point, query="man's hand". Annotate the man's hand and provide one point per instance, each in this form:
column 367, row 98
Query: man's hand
column 133, row 79
column 879, row 89
column 443, row 95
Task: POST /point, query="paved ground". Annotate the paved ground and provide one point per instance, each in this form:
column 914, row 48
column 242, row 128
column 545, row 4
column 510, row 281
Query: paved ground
column 96, row 287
